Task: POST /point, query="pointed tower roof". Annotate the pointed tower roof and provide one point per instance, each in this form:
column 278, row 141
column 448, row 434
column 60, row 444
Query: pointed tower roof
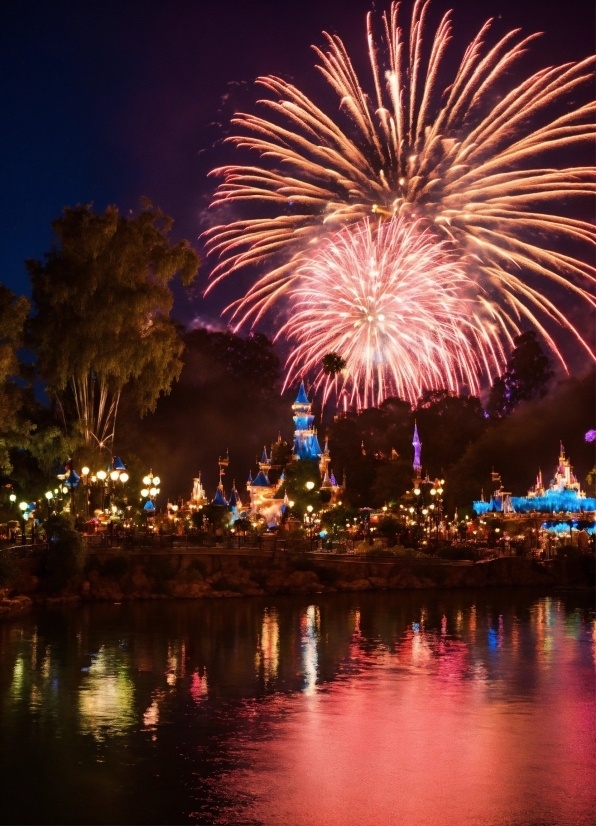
column 264, row 457
column 302, row 398
column 315, row 448
column 261, row 480
column 417, row 444
column 234, row 498
column 326, row 481
column 249, row 480
column 219, row 498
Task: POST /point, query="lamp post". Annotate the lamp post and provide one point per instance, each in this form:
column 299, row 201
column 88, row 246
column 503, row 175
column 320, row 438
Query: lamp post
column 150, row 492
column 23, row 507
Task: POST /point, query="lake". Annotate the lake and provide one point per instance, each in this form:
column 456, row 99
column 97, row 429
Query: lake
column 427, row 707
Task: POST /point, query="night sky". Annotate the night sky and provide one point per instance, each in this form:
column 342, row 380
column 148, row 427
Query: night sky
column 106, row 101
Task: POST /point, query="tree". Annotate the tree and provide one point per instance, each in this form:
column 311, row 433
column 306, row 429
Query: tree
column 333, row 364
column 447, row 424
column 527, row 376
column 15, row 427
column 102, row 303
column 296, row 477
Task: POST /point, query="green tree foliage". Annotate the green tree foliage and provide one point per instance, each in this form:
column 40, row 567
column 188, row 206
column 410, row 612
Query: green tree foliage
column 281, row 455
column 529, row 370
column 102, row 303
column 447, row 424
column 15, row 426
column 66, row 553
column 333, row 364
column 297, row 476
column 373, row 448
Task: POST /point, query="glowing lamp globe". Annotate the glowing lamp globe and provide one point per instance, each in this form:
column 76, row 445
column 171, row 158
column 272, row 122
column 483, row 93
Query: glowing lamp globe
column 152, row 491
column 23, row 506
column 309, row 508
column 48, row 494
column 146, row 480
column 144, row 492
column 156, row 480
column 433, row 492
column 310, row 486
column 124, row 477
column 13, row 497
column 291, row 503
column 101, row 475
column 417, row 491
column 114, row 475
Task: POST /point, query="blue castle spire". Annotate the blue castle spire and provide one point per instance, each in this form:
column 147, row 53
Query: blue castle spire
column 302, row 398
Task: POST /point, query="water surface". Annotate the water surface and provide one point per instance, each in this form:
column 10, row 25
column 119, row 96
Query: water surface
column 420, row 708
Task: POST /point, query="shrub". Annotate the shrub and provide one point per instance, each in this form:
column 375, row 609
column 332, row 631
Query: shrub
column 66, row 554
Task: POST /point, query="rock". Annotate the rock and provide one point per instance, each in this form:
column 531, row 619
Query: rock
column 15, row 606
column 275, row 581
column 187, row 590
column 302, row 582
column 378, row 582
column 140, row 580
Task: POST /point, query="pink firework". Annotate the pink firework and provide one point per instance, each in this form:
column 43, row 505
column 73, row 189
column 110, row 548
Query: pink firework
column 395, row 304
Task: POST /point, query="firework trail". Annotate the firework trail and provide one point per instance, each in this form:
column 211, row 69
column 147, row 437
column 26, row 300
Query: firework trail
column 391, row 299
column 484, row 175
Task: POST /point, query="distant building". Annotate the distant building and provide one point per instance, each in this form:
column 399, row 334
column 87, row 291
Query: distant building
column 562, row 496
column 265, row 495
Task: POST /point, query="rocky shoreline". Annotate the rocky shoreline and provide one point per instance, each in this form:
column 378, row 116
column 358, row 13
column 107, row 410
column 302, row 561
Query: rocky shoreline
column 118, row 577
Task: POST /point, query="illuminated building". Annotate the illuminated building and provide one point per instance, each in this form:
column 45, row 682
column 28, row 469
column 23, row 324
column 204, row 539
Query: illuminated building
column 266, row 499
column 563, row 497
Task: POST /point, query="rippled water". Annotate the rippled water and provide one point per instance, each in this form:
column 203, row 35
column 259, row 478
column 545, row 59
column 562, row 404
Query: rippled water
column 424, row 708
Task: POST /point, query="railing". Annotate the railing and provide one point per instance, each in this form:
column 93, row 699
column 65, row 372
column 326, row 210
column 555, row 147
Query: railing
column 24, row 551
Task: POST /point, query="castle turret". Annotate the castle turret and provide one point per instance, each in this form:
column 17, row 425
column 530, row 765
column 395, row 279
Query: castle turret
column 306, row 444
column 417, row 465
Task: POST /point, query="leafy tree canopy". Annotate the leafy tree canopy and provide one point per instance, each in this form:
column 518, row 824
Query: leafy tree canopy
column 14, row 427
column 447, row 424
column 102, row 302
column 333, row 363
column 529, row 370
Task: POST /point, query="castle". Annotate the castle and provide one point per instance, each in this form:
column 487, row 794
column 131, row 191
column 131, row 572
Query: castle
column 563, row 495
column 266, row 498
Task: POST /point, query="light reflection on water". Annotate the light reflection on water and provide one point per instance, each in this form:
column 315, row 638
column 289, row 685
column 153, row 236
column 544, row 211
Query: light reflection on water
column 433, row 708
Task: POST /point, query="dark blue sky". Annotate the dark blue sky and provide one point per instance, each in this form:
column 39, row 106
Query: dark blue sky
column 109, row 100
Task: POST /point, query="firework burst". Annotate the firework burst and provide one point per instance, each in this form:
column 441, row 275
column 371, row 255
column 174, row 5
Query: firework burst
column 391, row 299
column 485, row 176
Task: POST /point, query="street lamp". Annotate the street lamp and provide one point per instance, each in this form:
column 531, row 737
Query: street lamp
column 150, row 491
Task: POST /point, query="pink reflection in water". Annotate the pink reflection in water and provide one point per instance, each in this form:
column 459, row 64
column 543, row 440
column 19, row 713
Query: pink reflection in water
column 434, row 732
